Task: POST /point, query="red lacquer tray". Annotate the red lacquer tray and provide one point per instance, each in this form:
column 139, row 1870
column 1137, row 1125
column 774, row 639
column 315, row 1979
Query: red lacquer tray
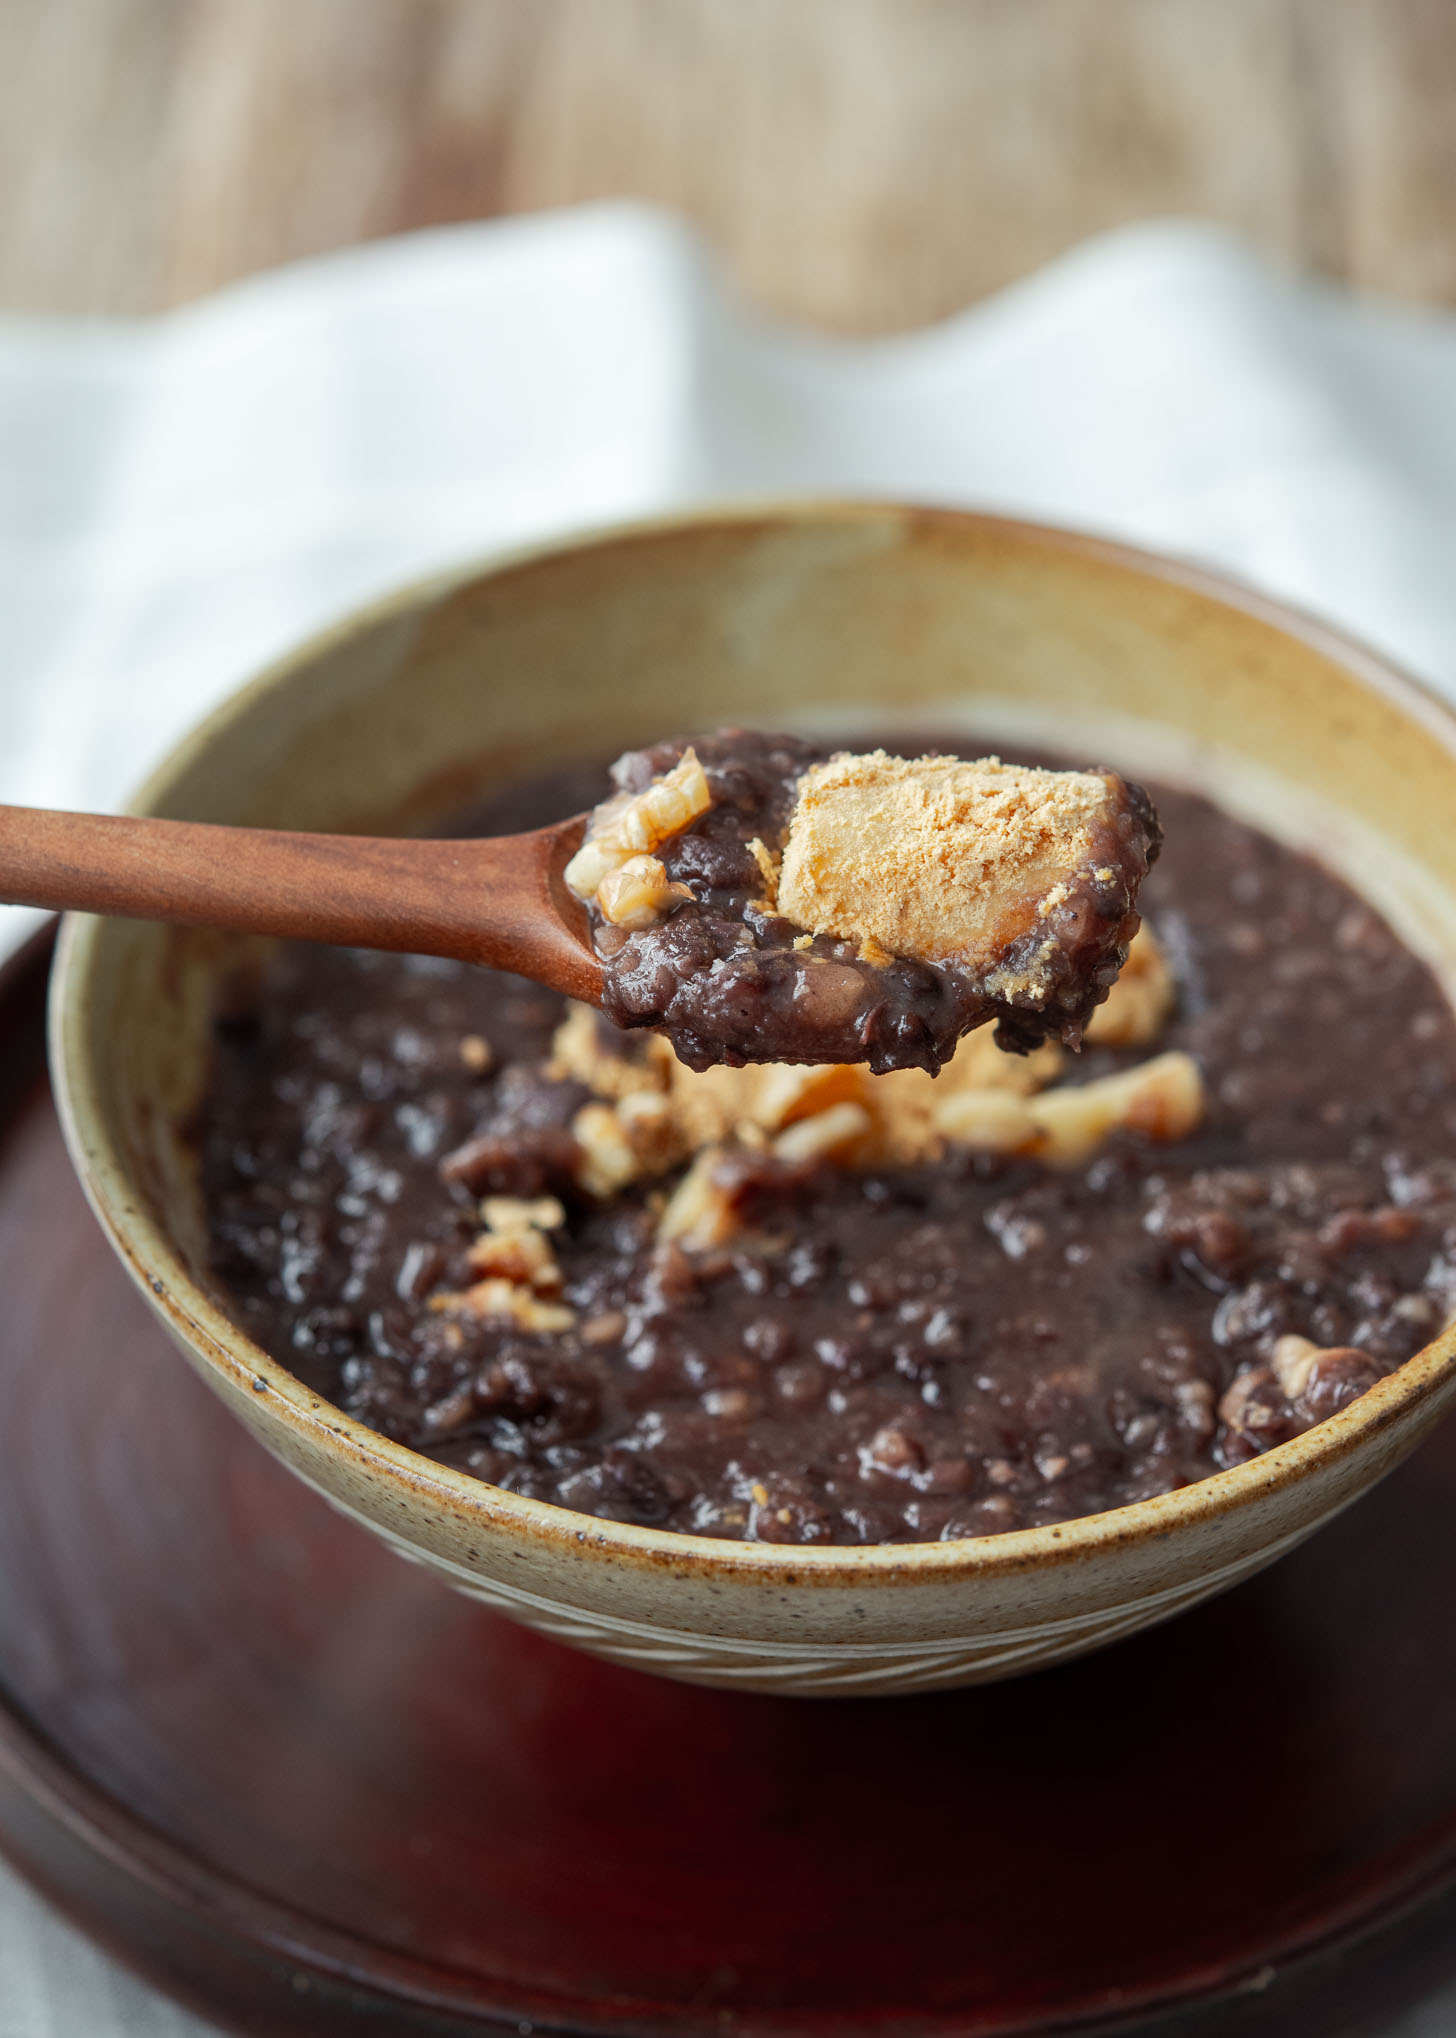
column 291, row 1779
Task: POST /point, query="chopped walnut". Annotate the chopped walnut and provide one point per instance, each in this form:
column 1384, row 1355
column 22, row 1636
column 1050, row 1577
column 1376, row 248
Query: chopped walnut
column 497, row 1297
column 990, row 1121
column 1302, row 1384
column 1321, row 1378
column 475, row 1053
column 590, row 1050
column 514, row 1246
column 652, row 1131
column 638, row 894
column 1140, row 1001
column 1251, row 1402
column 633, row 824
column 788, row 1091
column 701, row 1211
column 651, row 1113
column 518, row 1213
column 523, row 1257
column 827, row 1135
column 745, row 1106
column 1293, row 1359
column 1163, row 1099
column 608, row 1161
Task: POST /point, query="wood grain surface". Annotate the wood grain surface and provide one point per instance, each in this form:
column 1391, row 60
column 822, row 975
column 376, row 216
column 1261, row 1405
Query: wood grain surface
column 867, row 164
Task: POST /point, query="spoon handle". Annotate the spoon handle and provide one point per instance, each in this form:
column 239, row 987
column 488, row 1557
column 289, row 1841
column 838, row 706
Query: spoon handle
column 497, row 900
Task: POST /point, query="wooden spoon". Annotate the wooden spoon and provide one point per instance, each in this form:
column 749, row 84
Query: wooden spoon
column 500, row 900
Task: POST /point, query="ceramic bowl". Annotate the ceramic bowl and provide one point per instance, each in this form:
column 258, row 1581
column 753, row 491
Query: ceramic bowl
column 816, row 616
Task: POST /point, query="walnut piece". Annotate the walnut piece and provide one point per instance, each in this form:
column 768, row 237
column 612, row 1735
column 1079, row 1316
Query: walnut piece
column 1293, row 1360
column 475, row 1052
column 608, row 1161
column 988, row 1121
column 638, row 894
column 831, row 1134
column 524, row 1257
column 633, row 824
column 650, row 1113
column 700, row 1213
column 1162, row 1099
column 517, row 1213
column 497, row 1297
column 1251, row 1400
column 512, row 1250
column 1137, row 1007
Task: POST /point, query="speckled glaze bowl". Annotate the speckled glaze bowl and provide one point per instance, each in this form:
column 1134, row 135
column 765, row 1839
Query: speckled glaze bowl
column 816, row 616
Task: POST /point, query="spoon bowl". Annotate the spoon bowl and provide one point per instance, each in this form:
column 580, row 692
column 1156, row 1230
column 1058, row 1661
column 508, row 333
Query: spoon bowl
column 832, row 619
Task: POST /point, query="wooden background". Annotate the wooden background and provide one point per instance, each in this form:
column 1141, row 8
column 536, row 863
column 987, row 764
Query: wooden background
column 868, row 164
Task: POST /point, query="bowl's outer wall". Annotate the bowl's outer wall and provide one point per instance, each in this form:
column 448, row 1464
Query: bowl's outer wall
column 865, row 615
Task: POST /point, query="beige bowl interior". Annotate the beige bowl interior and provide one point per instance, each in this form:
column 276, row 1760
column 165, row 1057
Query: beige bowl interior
column 815, row 617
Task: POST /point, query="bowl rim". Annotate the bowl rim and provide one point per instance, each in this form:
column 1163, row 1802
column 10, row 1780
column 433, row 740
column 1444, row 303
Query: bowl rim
column 206, row 1330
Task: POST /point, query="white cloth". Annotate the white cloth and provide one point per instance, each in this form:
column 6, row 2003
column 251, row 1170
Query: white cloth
column 182, row 499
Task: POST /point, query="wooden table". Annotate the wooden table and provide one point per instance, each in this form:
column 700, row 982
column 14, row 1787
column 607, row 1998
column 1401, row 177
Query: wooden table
column 868, row 164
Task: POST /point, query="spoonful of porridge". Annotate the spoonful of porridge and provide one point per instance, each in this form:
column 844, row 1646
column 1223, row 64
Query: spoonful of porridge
column 759, row 898
column 754, row 897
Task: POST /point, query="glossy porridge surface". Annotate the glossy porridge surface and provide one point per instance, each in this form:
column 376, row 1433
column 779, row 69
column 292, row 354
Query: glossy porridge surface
column 953, row 1347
